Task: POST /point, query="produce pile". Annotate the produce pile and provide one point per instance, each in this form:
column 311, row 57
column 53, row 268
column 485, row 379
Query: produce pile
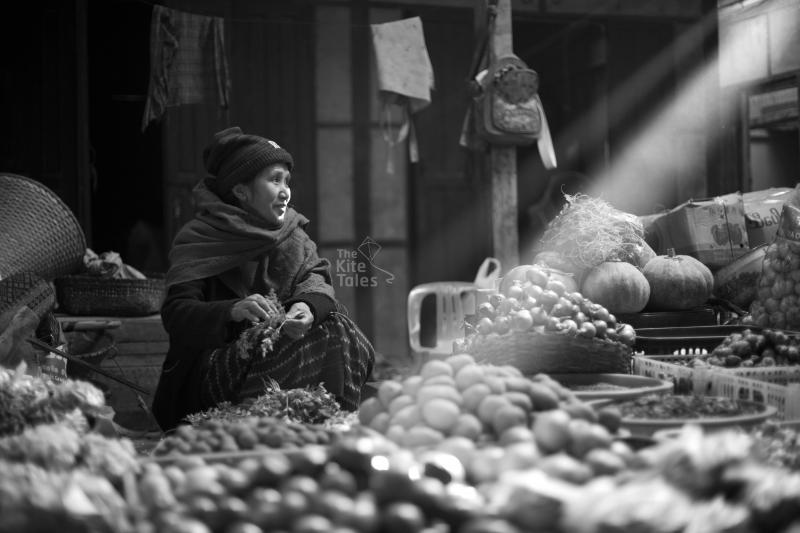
column 494, row 419
column 57, row 473
column 310, row 405
column 533, row 298
column 460, row 447
column 659, row 407
column 695, row 483
column 28, row 401
column 309, row 490
column 589, row 231
column 58, row 447
column 777, row 303
column 749, row 348
column 241, row 433
column 36, row 499
column 605, row 251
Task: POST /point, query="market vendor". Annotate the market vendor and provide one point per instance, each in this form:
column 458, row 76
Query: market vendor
column 244, row 242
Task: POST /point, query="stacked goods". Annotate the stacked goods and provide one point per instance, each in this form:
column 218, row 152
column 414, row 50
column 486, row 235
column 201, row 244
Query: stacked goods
column 535, row 322
column 495, row 420
column 358, row 485
column 245, row 433
column 777, row 299
column 692, row 483
column 712, row 231
column 533, row 296
column 604, row 249
column 777, row 304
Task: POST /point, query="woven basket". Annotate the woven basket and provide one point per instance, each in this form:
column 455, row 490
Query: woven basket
column 82, row 294
column 26, row 289
column 40, row 234
column 534, row 351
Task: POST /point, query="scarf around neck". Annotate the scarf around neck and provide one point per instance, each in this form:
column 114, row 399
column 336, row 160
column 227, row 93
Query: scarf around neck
column 222, row 236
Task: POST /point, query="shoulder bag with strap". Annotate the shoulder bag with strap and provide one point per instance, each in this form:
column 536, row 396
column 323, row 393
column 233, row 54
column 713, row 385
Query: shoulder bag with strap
column 506, row 108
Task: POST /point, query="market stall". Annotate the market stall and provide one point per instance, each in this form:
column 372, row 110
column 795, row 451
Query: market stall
column 550, row 413
column 636, row 373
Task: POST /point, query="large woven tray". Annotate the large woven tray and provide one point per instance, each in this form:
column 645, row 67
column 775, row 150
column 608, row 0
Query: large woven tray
column 38, row 232
column 535, row 351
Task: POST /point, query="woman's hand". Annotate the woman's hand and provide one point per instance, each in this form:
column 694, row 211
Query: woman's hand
column 255, row 308
column 298, row 320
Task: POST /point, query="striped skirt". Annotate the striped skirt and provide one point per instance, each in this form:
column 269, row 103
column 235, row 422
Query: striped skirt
column 334, row 353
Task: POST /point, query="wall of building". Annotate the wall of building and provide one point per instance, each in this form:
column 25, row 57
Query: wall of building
column 363, row 208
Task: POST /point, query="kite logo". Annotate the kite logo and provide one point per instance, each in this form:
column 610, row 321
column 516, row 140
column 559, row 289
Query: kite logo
column 353, row 267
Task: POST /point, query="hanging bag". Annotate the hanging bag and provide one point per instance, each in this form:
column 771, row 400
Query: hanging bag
column 506, row 109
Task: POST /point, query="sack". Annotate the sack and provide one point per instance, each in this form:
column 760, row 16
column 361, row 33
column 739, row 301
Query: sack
column 777, row 304
column 507, row 109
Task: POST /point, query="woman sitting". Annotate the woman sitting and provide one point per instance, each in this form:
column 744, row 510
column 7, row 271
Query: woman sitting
column 245, row 244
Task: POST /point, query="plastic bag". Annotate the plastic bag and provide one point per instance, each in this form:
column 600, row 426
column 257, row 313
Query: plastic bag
column 777, row 304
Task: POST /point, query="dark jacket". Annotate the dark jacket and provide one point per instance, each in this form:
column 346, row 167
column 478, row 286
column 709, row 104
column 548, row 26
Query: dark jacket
column 196, row 315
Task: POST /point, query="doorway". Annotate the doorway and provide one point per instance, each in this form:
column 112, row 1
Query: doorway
column 127, row 197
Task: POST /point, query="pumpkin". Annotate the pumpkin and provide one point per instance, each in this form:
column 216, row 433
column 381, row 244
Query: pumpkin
column 677, row 282
column 618, row 286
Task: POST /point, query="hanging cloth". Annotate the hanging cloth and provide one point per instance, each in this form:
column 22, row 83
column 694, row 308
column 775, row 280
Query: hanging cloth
column 405, row 79
column 187, row 62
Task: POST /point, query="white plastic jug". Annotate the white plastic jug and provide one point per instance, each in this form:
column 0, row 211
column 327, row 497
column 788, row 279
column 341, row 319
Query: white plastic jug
column 454, row 300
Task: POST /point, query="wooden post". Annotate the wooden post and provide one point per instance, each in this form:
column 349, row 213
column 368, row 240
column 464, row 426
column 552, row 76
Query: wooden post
column 503, row 162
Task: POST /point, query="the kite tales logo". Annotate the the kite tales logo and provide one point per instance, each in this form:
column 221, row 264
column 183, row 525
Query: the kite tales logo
column 357, row 268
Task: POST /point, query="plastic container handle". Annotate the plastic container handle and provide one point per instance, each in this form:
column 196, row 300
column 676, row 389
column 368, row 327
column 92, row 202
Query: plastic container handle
column 415, row 298
column 488, row 273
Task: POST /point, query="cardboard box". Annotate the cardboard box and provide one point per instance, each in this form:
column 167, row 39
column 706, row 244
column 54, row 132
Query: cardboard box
column 762, row 211
column 713, row 231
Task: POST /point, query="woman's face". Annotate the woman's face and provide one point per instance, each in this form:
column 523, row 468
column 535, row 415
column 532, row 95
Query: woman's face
column 268, row 194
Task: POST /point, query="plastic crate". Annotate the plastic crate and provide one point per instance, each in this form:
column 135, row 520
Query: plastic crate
column 770, row 386
column 780, row 375
column 786, row 398
column 666, row 368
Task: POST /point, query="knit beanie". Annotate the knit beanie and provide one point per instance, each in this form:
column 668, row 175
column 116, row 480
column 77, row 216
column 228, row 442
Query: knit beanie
column 234, row 157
